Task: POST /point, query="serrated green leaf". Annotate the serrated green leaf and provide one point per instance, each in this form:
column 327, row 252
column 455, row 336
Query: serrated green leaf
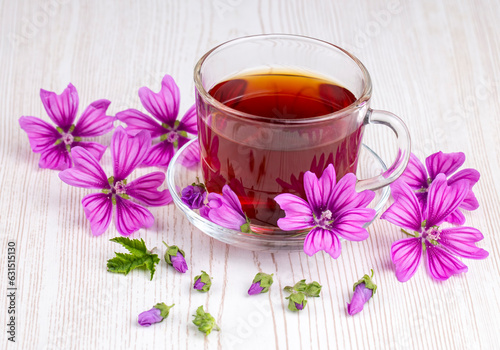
column 134, row 246
column 140, row 257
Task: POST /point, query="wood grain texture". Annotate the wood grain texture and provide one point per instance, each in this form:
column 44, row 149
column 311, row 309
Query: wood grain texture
column 435, row 63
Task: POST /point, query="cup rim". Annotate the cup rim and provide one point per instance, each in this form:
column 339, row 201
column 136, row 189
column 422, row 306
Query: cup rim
column 360, row 101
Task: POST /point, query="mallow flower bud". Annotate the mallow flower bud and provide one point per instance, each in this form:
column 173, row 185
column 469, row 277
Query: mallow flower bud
column 155, row 315
column 202, row 282
column 363, row 291
column 296, row 301
column 175, row 257
column 261, row 283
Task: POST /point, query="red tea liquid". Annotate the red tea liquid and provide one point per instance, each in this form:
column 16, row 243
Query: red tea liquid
column 261, row 159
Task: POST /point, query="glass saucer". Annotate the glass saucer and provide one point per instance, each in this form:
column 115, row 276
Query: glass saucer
column 180, row 176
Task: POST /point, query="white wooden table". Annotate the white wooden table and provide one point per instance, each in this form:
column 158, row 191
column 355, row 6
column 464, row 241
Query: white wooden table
column 435, row 63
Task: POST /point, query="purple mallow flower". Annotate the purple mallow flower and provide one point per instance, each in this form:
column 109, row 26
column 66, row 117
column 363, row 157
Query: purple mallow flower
column 419, row 179
column 225, row 210
column 164, row 107
column 55, row 143
column 424, row 220
column 261, row 283
column 332, row 210
column 157, row 314
column 364, row 289
column 194, row 195
column 175, row 257
column 126, row 153
column 202, row 282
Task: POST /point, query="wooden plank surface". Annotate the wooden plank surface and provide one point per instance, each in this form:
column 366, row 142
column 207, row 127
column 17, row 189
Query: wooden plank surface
column 435, row 63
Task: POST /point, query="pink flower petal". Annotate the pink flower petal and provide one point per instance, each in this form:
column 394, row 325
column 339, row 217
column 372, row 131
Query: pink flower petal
column 445, row 163
column 164, row 105
column 189, row 121
column 470, row 202
column 232, row 199
column 145, row 189
column 137, row 121
column 222, row 213
column 349, row 225
column 321, row 239
column 406, row 211
column 41, row 134
column 56, row 157
column 128, row 152
column 442, row 199
column 225, row 210
column 441, row 264
column 182, row 141
column 298, row 213
column 406, row 254
column 344, row 195
column 415, row 174
column 192, row 155
column 61, row 108
column 461, row 241
column 471, row 175
column 94, row 121
column 95, row 149
column 130, row 216
column 98, row 209
column 319, row 190
column 86, row 173
column 456, row 218
column 160, row 154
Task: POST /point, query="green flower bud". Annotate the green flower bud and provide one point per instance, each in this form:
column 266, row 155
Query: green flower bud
column 204, row 321
column 313, row 289
column 296, row 301
column 202, row 282
column 261, row 283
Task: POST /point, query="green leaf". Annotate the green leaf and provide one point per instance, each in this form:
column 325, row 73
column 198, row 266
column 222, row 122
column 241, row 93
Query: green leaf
column 139, row 257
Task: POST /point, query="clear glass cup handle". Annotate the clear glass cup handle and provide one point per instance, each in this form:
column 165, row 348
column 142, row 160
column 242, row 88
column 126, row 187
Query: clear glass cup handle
column 402, row 157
